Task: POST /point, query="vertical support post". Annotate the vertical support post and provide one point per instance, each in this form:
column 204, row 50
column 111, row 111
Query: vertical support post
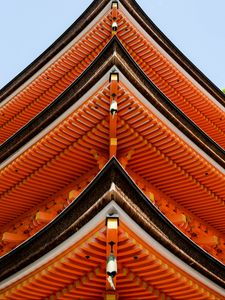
column 114, row 79
column 112, row 225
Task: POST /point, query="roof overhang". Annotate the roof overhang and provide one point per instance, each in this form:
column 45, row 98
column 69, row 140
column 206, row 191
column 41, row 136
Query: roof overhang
column 95, row 10
column 114, row 54
column 68, row 57
column 120, row 195
column 136, row 12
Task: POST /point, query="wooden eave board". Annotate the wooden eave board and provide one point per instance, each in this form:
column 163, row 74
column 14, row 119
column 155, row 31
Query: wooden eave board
column 206, row 114
column 92, row 201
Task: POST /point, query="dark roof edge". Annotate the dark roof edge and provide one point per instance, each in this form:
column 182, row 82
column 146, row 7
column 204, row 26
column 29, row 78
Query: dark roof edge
column 90, row 13
column 164, row 105
column 147, row 24
column 88, row 78
column 85, row 18
column 72, row 94
column 89, row 203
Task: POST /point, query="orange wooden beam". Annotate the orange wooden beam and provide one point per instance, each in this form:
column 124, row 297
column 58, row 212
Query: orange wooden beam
column 44, row 217
column 208, row 240
column 100, row 158
column 177, row 219
column 73, row 194
column 114, row 79
column 13, row 237
column 124, row 159
column 144, row 273
column 194, row 228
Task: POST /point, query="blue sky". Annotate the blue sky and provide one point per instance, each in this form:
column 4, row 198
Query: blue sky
column 196, row 27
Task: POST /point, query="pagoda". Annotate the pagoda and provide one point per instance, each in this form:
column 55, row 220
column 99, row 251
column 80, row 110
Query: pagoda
column 112, row 168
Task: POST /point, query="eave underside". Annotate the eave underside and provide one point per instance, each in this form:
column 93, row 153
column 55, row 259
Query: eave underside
column 165, row 75
column 80, row 144
column 141, row 269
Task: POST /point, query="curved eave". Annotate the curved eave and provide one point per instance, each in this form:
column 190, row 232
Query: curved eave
column 77, row 27
column 113, row 54
column 89, row 203
column 91, row 12
column 33, row 177
column 81, row 47
column 146, row 23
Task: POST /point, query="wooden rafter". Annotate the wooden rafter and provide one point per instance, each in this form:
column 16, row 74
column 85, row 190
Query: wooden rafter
column 81, row 142
column 142, row 272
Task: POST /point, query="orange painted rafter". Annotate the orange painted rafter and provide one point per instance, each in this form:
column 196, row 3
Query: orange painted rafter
column 56, row 78
column 172, row 150
column 88, row 129
column 142, row 287
column 132, row 142
column 124, row 158
column 75, row 273
column 172, row 82
column 68, row 155
column 161, row 273
column 166, row 76
column 41, row 215
column 100, row 157
column 74, row 261
column 16, row 238
column 87, row 286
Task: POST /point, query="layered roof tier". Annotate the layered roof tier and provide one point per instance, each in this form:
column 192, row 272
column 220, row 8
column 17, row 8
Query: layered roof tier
column 69, row 56
column 105, row 92
column 69, row 255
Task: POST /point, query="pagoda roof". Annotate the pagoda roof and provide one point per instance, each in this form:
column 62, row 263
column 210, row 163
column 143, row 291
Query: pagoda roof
column 68, row 57
column 118, row 188
column 50, row 156
column 114, row 54
column 72, row 32
column 82, row 22
column 46, row 145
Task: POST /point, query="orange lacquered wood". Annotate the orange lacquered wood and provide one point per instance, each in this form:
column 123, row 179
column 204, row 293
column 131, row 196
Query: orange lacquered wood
column 66, row 154
column 56, row 78
column 172, row 82
column 80, row 272
column 9, row 237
